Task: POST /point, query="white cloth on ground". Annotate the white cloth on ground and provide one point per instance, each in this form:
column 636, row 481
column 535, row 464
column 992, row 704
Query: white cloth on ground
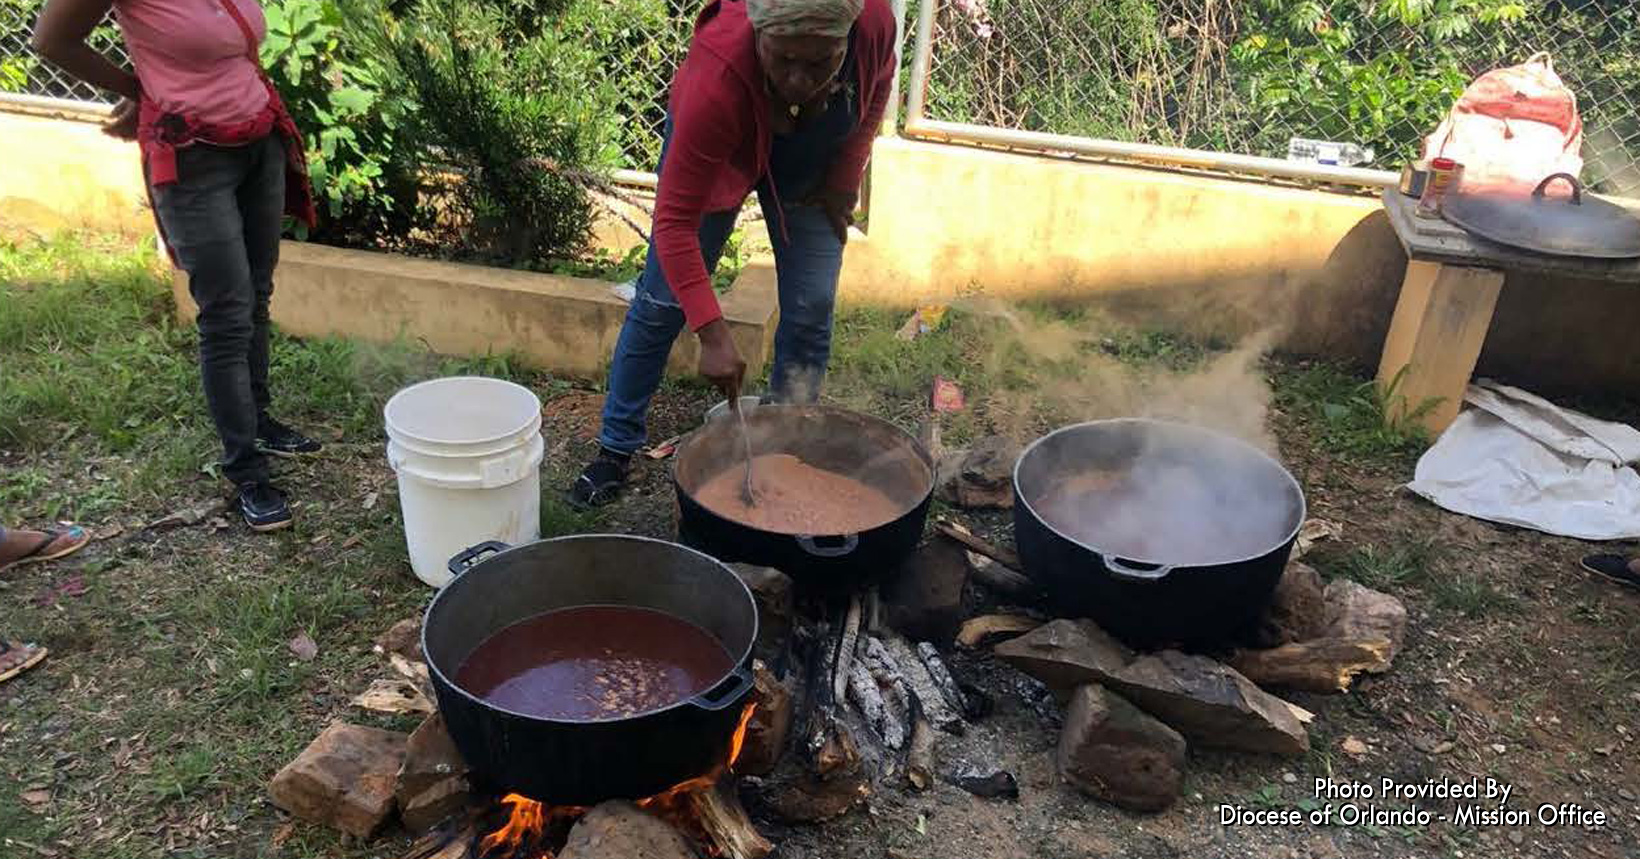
column 1518, row 459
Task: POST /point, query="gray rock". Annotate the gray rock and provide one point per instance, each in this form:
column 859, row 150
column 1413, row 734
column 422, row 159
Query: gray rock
column 1355, row 611
column 1111, row 750
column 984, row 477
column 923, row 598
column 1066, row 654
column 621, row 830
column 1211, row 704
column 1298, row 609
column 775, row 603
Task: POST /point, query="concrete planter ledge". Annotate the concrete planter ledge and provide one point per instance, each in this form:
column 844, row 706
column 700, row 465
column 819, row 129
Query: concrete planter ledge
column 561, row 324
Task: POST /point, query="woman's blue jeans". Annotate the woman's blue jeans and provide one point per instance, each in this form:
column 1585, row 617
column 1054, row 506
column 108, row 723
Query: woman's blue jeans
column 808, row 258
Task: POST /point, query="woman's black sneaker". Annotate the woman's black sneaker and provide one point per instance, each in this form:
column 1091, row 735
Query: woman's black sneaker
column 264, row 507
column 601, row 481
column 1615, row 567
column 279, row 440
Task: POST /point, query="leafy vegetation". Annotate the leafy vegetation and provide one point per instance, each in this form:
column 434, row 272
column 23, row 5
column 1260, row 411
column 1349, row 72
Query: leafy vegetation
column 1355, row 418
column 1247, row 77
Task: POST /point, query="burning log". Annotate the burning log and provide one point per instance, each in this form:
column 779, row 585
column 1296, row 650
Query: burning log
column 942, row 677
column 863, row 691
column 841, row 671
column 919, row 768
column 727, row 825
column 930, row 698
column 897, row 701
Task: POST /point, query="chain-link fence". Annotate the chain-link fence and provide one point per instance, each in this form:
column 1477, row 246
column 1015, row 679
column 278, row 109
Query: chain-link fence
column 1249, row 76
column 22, row 71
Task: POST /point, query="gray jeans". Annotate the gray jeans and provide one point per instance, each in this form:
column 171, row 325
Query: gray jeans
column 223, row 217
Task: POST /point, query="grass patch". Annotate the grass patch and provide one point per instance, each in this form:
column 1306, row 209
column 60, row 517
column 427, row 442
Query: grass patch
column 1384, row 568
column 97, row 371
column 1417, row 565
column 1353, row 418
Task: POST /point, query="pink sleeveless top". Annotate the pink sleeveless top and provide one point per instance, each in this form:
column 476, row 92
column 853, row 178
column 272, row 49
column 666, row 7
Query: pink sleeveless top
column 190, row 56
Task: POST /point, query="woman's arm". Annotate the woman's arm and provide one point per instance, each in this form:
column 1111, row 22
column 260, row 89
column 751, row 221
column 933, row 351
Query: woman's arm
column 60, row 36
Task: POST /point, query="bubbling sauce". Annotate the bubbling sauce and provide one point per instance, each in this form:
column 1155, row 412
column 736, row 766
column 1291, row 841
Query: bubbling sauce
column 593, row 663
column 793, row 497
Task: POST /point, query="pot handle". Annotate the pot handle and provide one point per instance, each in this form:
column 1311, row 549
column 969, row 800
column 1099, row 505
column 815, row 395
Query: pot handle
column 726, row 693
column 1577, row 187
column 808, row 544
column 465, row 559
column 1120, row 569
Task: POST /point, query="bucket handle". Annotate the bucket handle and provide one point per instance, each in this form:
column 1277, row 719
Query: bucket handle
column 467, row 558
column 727, row 692
column 808, row 543
column 1148, row 573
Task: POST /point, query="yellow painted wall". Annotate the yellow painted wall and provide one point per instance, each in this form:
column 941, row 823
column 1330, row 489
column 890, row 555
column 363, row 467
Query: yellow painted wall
column 1206, row 255
column 59, row 174
column 1203, row 255
column 564, row 324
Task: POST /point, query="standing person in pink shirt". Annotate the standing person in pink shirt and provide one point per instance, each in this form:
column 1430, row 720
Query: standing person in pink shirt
column 224, row 165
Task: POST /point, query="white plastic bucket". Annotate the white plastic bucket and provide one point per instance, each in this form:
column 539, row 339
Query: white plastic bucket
column 467, row 451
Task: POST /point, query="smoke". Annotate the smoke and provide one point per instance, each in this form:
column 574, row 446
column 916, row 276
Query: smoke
column 1069, row 376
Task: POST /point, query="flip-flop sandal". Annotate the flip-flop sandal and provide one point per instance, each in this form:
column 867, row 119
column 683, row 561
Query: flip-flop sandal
column 1614, row 567
column 79, row 538
column 33, row 655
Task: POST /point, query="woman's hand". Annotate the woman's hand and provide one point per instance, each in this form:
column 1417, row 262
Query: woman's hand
column 839, row 208
column 122, row 123
column 720, row 361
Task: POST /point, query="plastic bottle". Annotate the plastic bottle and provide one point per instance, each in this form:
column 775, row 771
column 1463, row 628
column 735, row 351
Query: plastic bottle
column 1328, row 152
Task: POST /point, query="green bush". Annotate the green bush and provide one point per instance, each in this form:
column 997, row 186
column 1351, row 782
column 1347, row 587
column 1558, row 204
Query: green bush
column 364, row 168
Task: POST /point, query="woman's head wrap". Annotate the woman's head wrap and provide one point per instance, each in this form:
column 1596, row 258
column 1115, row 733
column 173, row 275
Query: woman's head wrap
column 832, row 18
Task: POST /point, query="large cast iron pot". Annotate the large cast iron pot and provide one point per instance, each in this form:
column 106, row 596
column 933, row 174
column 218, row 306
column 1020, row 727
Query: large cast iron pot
column 1165, row 534
column 872, row 451
column 587, row 762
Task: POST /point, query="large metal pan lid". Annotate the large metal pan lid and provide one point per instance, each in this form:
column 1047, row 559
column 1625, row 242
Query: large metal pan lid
column 1579, row 224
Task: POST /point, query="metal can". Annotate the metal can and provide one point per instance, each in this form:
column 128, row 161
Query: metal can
column 1444, row 176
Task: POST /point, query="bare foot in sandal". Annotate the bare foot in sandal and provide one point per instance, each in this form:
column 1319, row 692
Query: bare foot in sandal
column 17, row 657
column 19, row 546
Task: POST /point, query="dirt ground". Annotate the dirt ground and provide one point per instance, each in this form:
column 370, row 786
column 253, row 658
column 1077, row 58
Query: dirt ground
column 170, row 699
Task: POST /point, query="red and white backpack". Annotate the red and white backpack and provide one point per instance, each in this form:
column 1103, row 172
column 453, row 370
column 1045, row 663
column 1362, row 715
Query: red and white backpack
column 1513, row 126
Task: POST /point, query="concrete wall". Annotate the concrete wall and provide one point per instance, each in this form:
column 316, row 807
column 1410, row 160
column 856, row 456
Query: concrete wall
column 1207, row 255
column 564, row 324
column 58, row 174
column 1204, row 255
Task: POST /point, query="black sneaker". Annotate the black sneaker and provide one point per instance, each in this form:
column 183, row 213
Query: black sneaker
column 263, row 507
column 276, row 439
column 1615, row 567
column 601, row 481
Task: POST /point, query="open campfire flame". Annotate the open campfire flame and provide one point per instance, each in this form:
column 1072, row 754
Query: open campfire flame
column 530, row 821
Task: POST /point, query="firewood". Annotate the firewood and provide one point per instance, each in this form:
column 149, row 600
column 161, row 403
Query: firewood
column 727, row 825
column 897, row 696
column 929, row 697
column 942, row 677
column 1326, row 665
column 966, row 537
column 863, row 691
column 1001, row 579
column 919, row 768
column 984, row 631
column 890, row 714
column 845, row 648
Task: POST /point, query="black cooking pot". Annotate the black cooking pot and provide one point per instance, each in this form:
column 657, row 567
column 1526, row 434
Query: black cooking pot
column 587, row 762
column 872, row 451
column 1165, row 534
